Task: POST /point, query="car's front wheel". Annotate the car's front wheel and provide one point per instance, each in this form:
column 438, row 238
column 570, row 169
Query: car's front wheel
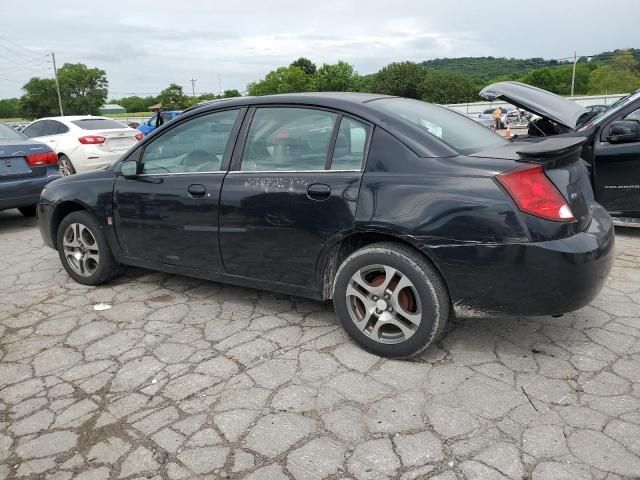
column 390, row 300
column 65, row 166
column 84, row 251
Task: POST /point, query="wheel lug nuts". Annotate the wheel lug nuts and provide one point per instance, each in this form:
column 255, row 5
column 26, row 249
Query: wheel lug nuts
column 390, row 309
column 375, row 298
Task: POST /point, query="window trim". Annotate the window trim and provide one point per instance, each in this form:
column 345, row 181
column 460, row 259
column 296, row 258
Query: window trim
column 241, row 141
column 228, row 151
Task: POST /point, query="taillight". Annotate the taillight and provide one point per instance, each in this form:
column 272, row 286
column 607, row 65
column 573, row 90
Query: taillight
column 39, row 159
column 139, row 136
column 534, row 193
column 91, row 139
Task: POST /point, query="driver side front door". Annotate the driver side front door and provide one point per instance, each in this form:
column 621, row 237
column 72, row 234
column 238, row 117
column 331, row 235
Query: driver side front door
column 168, row 213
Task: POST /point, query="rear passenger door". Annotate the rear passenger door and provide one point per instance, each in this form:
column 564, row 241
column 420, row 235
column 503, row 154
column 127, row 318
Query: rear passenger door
column 293, row 188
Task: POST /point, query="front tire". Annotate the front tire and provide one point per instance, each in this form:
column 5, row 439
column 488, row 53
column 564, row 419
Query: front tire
column 84, row 251
column 390, row 300
column 65, row 166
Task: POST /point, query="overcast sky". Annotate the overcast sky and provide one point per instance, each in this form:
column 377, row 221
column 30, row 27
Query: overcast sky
column 143, row 46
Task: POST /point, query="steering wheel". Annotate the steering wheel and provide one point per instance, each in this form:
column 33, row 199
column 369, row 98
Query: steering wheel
column 195, row 160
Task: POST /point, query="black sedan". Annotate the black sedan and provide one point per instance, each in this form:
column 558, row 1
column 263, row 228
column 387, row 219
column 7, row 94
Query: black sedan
column 399, row 211
column 26, row 167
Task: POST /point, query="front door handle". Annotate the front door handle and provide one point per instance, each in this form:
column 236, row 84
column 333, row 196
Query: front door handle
column 318, row 191
column 196, row 190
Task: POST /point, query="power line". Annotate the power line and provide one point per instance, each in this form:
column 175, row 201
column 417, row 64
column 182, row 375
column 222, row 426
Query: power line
column 23, row 49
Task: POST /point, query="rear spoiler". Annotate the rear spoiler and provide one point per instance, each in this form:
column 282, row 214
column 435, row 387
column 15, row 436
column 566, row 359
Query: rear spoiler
column 552, row 147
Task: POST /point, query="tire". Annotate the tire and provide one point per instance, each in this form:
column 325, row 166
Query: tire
column 415, row 290
column 65, row 166
column 28, row 211
column 85, row 237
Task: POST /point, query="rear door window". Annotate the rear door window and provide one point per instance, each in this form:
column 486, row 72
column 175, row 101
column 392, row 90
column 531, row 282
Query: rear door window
column 288, row 139
column 348, row 153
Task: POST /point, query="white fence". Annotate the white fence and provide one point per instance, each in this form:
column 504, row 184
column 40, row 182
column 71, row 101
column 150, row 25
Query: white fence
column 478, row 107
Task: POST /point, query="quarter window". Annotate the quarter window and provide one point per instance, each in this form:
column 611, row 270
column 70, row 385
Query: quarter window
column 197, row 145
column 348, row 153
column 288, row 139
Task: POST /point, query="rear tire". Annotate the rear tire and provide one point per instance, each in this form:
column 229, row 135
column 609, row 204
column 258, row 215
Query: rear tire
column 84, row 250
column 65, row 166
column 28, row 211
column 391, row 300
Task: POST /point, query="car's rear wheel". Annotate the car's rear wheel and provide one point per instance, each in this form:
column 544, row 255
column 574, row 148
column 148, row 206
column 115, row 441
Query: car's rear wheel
column 84, row 251
column 65, row 166
column 28, row 211
column 391, row 300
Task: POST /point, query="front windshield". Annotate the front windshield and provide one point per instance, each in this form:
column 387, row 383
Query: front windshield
column 616, row 107
column 8, row 133
column 458, row 131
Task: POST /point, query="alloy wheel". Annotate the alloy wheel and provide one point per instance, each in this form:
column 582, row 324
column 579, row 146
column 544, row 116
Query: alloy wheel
column 81, row 249
column 384, row 304
column 65, row 167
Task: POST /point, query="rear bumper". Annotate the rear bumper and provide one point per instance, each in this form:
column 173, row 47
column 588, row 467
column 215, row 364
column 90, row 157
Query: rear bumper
column 88, row 159
column 25, row 192
column 538, row 278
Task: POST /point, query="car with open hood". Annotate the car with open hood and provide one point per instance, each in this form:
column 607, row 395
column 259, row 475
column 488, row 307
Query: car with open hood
column 611, row 147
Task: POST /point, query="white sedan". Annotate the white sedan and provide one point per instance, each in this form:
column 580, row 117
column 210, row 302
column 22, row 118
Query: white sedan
column 83, row 142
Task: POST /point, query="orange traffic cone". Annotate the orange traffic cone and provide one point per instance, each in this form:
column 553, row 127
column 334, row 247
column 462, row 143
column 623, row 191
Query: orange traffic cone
column 508, row 132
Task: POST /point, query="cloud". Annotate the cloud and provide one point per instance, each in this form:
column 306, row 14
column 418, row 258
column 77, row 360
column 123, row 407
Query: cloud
column 143, row 47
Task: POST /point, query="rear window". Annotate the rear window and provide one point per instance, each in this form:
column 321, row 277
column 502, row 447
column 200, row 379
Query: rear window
column 8, row 133
column 459, row 132
column 98, row 124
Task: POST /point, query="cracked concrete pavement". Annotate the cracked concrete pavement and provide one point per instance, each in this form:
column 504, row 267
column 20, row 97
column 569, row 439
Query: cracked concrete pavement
column 185, row 379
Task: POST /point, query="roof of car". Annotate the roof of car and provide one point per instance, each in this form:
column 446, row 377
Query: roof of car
column 70, row 118
column 314, row 98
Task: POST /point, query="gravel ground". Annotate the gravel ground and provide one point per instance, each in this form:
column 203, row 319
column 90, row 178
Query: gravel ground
column 184, row 378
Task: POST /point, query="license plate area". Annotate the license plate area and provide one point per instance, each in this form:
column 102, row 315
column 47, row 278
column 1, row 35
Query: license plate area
column 14, row 166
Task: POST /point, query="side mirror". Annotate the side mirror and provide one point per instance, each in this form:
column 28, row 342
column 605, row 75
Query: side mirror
column 624, row 131
column 129, row 168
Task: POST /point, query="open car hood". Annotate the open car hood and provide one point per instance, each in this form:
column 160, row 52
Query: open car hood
column 545, row 104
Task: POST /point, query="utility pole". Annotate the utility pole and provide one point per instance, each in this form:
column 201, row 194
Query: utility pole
column 193, row 87
column 55, row 74
column 219, row 85
column 573, row 76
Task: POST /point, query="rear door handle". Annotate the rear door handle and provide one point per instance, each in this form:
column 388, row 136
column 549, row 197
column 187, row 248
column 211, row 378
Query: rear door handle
column 318, row 191
column 196, row 190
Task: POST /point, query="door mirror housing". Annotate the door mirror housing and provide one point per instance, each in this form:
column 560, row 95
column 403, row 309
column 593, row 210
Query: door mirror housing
column 129, row 168
column 624, row 131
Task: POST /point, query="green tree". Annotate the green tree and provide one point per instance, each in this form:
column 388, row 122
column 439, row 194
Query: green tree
column 134, row 103
column 9, row 108
column 83, row 90
column 402, row 79
column 282, row 80
column 443, row 86
column 231, row 93
column 339, row 77
column 40, row 98
column 173, row 98
column 619, row 76
column 306, row 65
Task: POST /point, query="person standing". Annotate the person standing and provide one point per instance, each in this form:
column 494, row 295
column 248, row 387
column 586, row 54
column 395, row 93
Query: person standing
column 497, row 113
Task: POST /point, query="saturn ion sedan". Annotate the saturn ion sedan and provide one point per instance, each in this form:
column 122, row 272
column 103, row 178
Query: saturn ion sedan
column 399, row 211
